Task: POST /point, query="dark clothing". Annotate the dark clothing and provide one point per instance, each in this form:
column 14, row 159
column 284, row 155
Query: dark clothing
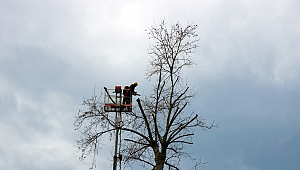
column 132, row 87
column 128, row 94
column 126, row 100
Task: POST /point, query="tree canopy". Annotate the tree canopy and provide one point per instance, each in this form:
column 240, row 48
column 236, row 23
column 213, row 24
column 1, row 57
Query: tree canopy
column 156, row 132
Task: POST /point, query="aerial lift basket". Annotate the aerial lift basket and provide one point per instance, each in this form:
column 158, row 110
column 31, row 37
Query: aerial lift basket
column 113, row 100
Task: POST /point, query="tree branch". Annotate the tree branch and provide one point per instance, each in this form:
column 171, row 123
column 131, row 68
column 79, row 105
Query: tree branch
column 145, row 119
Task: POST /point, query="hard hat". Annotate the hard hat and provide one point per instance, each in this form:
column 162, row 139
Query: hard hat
column 136, row 83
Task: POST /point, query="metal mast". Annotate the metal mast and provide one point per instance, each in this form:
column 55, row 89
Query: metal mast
column 113, row 103
column 116, row 141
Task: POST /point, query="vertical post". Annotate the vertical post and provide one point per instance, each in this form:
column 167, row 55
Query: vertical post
column 117, row 123
column 116, row 142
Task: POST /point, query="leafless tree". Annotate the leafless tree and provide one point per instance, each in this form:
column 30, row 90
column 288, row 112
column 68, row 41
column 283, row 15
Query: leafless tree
column 156, row 133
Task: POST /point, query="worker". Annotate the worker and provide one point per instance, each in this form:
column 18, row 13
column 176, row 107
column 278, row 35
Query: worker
column 128, row 92
column 132, row 87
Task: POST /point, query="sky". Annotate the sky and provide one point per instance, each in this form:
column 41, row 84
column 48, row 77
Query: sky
column 55, row 53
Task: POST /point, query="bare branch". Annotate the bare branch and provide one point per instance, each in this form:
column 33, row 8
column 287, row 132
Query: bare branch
column 158, row 129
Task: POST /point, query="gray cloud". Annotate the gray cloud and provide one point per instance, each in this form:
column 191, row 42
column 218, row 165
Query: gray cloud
column 54, row 53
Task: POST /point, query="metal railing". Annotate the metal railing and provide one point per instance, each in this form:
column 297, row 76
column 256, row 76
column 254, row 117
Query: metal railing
column 115, row 101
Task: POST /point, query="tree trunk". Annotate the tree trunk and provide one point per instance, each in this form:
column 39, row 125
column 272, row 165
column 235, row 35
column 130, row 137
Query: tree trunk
column 160, row 158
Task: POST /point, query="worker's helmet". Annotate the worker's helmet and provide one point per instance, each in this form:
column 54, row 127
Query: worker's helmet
column 136, row 83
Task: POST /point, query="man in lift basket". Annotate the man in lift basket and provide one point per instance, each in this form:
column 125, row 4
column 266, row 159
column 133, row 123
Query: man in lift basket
column 128, row 92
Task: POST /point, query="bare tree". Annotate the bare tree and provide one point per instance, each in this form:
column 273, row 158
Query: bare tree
column 156, row 133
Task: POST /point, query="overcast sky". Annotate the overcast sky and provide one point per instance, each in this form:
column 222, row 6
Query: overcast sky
column 53, row 53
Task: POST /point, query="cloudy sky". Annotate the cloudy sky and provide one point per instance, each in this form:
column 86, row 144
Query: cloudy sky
column 53, row 53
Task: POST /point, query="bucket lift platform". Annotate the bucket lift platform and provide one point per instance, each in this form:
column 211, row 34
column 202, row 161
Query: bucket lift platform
column 113, row 100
